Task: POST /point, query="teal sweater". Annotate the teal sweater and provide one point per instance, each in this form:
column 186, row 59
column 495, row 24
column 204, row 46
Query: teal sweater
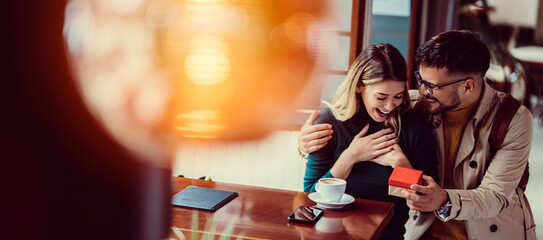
column 369, row 180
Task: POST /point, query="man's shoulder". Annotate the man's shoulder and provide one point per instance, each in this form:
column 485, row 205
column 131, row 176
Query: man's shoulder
column 504, row 100
column 496, row 105
column 325, row 116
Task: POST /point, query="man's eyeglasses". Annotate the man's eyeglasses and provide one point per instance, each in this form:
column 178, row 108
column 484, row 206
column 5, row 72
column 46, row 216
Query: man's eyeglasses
column 431, row 87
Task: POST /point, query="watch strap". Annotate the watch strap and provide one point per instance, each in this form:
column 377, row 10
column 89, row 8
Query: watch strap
column 445, row 210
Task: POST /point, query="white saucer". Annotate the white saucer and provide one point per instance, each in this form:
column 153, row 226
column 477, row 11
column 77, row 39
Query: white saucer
column 345, row 199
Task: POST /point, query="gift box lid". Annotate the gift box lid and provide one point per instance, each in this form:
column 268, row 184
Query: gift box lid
column 405, row 177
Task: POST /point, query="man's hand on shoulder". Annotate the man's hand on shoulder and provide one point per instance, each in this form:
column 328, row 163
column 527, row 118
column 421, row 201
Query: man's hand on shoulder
column 314, row 137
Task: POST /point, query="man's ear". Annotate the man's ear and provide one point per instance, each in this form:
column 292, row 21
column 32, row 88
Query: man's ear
column 469, row 86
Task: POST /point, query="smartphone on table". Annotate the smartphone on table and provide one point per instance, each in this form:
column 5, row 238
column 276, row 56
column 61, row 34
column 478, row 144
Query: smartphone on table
column 307, row 215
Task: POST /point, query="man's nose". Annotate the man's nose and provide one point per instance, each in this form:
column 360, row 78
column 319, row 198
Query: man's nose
column 422, row 90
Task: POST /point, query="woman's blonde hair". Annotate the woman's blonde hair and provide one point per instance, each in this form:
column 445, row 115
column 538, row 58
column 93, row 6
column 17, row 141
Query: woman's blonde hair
column 376, row 63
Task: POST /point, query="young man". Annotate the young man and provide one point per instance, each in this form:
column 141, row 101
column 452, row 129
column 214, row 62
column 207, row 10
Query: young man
column 480, row 197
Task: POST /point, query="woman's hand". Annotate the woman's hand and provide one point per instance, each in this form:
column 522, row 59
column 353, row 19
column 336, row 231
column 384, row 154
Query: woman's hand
column 363, row 148
column 393, row 158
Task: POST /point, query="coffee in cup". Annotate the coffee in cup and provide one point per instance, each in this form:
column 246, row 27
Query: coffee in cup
column 331, row 189
column 332, row 181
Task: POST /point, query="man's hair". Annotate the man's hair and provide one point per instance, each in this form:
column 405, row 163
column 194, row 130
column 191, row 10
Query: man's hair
column 459, row 51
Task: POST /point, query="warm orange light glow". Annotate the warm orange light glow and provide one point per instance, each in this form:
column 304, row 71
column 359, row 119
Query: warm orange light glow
column 246, row 60
column 207, row 66
column 227, row 69
column 200, row 124
column 201, row 115
column 296, row 27
column 206, row 11
column 161, row 13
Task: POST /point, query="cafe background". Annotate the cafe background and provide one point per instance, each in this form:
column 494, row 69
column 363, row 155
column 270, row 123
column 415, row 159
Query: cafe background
column 274, row 161
column 104, row 101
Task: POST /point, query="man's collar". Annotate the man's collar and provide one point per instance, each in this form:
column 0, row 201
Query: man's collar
column 485, row 103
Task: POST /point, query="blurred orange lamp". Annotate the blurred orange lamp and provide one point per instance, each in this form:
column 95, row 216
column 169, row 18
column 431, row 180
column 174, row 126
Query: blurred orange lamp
column 238, row 64
column 212, row 69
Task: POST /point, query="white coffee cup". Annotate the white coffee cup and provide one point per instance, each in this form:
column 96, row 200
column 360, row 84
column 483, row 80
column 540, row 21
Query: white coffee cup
column 331, row 189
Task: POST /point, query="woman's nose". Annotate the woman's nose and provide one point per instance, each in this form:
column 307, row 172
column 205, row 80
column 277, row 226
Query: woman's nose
column 390, row 105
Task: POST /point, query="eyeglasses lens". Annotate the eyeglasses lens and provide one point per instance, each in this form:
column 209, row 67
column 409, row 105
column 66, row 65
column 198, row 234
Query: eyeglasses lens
column 422, row 82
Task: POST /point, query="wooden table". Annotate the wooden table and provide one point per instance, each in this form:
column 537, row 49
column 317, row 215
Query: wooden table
column 261, row 213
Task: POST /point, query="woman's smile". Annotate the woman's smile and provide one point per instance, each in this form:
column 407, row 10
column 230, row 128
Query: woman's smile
column 381, row 98
column 381, row 114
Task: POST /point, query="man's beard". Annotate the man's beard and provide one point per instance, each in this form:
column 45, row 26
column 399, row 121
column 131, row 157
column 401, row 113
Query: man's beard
column 455, row 102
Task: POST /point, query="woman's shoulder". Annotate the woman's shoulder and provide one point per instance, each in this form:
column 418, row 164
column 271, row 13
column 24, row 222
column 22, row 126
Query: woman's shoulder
column 415, row 130
column 413, row 119
column 326, row 116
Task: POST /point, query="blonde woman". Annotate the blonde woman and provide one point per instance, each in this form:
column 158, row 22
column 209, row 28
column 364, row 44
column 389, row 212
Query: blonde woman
column 374, row 131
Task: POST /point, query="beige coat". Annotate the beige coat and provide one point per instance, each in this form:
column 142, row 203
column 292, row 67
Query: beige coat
column 487, row 195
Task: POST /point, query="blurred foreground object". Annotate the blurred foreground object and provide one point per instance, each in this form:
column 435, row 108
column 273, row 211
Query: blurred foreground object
column 213, row 69
column 66, row 177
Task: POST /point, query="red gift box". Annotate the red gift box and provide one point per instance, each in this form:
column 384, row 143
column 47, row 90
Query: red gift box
column 402, row 179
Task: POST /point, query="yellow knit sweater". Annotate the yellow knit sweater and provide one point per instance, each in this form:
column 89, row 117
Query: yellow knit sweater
column 454, row 123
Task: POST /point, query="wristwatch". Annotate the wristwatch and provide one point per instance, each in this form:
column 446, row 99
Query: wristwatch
column 445, row 210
